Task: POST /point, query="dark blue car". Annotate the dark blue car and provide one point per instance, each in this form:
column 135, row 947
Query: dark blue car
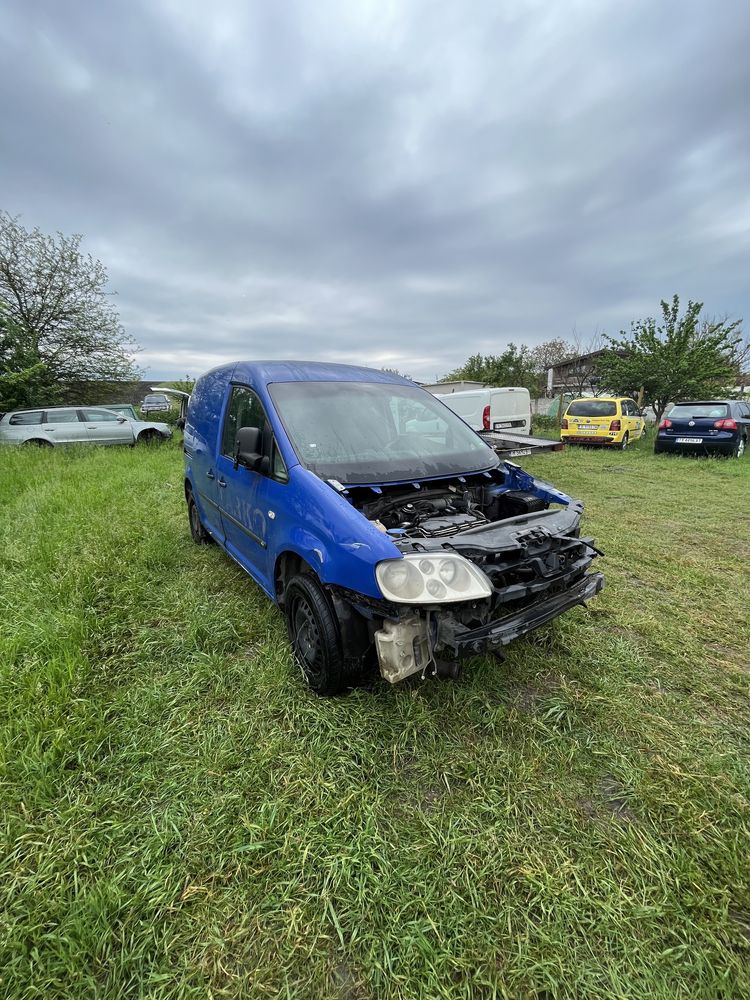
column 720, row 427
column 382, row 525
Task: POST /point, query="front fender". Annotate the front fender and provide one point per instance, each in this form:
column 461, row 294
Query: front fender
column 337, row 541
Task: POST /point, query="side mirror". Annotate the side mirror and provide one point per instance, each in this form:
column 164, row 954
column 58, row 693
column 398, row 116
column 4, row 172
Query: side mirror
column 121, row 420
column 247, row 450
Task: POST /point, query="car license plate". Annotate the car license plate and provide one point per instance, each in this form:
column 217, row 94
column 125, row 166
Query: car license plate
column 689, row 440
column 520, row 452
column 587, row 427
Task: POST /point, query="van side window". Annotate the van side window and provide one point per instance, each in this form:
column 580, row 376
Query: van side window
column 278, row 468
column 244, row 410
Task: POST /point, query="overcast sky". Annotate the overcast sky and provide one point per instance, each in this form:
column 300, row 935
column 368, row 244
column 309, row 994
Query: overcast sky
column 396, row 184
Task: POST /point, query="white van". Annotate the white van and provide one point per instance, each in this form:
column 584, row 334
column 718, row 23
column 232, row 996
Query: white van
column 506, row 409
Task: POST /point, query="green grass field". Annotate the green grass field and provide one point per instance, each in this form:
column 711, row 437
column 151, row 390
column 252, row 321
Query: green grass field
column 179, row 817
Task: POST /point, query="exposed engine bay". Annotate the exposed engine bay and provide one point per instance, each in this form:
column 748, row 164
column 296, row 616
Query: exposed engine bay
column 431, row 516
column 531, row 555
column 445, row 512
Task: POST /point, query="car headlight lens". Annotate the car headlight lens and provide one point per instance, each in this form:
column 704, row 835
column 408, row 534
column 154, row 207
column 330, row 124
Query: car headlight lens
column 400, row 577
column 431, row 579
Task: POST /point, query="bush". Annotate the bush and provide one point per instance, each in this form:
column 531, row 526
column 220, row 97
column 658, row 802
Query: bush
column 545, row 425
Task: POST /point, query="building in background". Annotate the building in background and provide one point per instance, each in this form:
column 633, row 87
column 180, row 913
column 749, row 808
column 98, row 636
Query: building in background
column 578, row 376
column 459, row 385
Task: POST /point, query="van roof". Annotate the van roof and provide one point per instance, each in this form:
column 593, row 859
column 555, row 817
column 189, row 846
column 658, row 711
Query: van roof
column 488, row 388
column 307, row 371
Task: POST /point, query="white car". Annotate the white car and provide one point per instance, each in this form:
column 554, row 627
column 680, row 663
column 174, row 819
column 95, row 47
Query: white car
column 77, row 425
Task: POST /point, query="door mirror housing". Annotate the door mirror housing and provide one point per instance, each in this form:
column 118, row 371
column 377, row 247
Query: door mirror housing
column 248, row 450
column 121, row 420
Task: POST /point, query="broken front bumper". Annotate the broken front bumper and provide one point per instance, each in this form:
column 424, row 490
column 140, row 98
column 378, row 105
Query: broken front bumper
column 464, row 641
column 538, row 565
column 416, row 642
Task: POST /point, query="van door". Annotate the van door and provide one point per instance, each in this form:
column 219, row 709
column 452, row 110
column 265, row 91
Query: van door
column 249, row 500
column 510, row 410
column 201, row 445
column 471, row 405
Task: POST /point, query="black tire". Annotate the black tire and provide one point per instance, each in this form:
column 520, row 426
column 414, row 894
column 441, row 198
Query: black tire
column 739, row 448
column 197, row 532
column 315, row 637
column 37, row 443
column 150, row 437
column 625, row 441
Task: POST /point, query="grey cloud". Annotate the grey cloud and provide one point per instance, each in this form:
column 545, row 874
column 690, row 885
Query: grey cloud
column 395, row 185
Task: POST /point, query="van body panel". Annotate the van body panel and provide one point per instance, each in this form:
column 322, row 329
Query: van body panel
column 509, row 408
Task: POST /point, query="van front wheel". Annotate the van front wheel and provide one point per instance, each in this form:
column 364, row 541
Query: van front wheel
column 315, row 636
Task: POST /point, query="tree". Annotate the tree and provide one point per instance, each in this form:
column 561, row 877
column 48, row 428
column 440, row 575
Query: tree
column 395, row 371
column 24, row 379
column 513, row 367
column 550, row 353
column 58, row 312
column 545, row 356
column 678, row 357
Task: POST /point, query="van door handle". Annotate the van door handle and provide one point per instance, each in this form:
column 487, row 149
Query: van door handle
column 221, row 482
column 210, row 475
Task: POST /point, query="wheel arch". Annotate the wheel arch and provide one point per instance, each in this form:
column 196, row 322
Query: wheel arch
column 150, row 434
column 288, row 564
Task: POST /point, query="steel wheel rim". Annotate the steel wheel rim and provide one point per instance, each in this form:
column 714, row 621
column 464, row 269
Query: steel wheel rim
column 306, row 636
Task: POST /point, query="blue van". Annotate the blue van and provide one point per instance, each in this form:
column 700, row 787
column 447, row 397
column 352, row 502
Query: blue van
column 383, row 526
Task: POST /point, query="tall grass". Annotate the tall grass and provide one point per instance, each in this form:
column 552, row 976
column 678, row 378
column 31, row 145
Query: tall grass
column 179, row 817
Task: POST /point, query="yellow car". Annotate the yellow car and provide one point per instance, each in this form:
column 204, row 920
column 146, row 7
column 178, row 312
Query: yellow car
column 613, row 421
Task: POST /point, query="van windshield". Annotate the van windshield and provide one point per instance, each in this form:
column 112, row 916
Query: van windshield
column 376, row 432
column 592, row 408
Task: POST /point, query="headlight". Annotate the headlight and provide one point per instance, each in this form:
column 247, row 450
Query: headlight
column 431, row 579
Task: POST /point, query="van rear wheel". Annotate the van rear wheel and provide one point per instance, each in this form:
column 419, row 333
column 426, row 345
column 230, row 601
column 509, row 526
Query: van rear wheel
column 198, row 533
column 315, row 637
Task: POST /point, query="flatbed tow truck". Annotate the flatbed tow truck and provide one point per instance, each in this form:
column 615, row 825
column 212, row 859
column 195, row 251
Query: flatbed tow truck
column 508, row 445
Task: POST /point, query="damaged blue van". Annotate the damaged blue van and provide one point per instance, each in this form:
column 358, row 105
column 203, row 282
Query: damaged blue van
column 383, row 526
